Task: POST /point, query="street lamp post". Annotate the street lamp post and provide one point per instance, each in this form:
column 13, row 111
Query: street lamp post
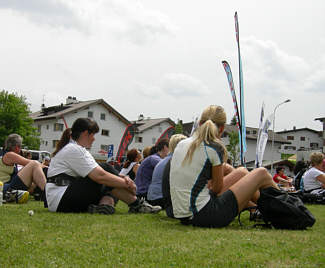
column 276, row 107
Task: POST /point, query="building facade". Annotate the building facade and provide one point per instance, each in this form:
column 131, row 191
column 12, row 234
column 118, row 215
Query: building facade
column 148, row 131
column 52, row 121
column 302, row 139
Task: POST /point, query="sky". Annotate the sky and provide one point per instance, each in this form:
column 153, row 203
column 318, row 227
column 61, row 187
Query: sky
column 163, row 58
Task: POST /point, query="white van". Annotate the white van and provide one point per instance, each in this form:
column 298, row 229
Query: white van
column 39, row 155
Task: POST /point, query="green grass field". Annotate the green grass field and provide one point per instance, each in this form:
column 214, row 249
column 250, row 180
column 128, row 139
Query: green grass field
column 124, row 240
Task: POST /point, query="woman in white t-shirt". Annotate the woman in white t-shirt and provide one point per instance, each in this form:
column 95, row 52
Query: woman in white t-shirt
column 76, row 183
column 131, row 165
column 314, row 178
column 203, row 192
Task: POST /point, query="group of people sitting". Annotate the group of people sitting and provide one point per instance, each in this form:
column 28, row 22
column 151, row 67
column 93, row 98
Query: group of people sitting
column 309, row 177
column 187, row 176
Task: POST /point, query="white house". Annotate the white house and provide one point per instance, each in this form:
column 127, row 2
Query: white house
column 302, row 139
column 52, row 121
column 149, row 131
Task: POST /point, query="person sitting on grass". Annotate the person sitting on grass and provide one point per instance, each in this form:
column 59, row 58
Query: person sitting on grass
column 201, row 193
column 131, row 164
column 282, row 180
column 144, row 174
column 155, row 195
column 314, row 178
column 76, row 183
column 146, row 152
column 22, row 180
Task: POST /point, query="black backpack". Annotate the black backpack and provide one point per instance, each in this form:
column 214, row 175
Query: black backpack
column 166, row 190
column 284, row 211
column 297, row 179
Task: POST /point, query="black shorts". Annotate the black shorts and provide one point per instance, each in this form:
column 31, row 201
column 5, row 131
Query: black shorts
column 80, row 194
column 218, row 212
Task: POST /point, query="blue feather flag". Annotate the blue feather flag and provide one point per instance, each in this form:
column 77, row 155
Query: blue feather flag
column 243, row 145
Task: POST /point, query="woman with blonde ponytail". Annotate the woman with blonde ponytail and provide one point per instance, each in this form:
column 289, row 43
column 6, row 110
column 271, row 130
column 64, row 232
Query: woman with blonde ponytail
column 205, row 191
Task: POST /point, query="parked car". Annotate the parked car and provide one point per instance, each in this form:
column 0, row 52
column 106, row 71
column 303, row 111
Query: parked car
column 39, row 155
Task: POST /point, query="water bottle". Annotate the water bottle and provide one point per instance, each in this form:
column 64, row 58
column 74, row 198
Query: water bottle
column 1, row 193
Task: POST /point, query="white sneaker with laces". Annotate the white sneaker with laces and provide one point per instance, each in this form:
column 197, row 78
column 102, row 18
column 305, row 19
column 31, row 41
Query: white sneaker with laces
column 145, row 207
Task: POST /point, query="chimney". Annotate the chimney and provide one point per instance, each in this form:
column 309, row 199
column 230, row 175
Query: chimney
column 71, row 100
column 294, row 127
column 141, row 117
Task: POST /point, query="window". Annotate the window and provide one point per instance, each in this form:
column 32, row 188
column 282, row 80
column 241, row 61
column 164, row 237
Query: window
column 313, row 145
column 302, row 138
column 58, row 127
column 287, row 147
column 102, row 116
column 248, row 132
column 138, row 139
column 54, row 143
column 153, row 140
column 290, row 138
column 47, row 127
column 105, row 132
column 39, row 128
column 104, row 147
column 254, row 132
column 90, row 114
column 46, row 143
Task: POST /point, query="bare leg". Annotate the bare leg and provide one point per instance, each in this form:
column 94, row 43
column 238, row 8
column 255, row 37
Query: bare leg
column 33, row 172
column 227, row 169
column 246, row 188
column 124, row 195
column 32, row 188
column 233, row 177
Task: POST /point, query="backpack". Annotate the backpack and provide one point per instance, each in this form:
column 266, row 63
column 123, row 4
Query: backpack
column 166, row 190
column 284, row 211
column 298, row 181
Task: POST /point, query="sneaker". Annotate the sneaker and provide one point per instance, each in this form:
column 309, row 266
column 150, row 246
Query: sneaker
column 101, row 209
column 144, row 207
column 16, row 196
column 256, row 216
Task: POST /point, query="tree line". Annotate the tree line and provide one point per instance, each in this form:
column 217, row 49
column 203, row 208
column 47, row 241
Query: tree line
column 14, row 118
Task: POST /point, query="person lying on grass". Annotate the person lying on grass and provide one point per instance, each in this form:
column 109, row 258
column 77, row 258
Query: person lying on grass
column 76, row 183
column 204, row 190
column 27, row 178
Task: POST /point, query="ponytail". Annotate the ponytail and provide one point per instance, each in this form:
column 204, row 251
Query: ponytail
column 212, row 118
column 65, row 139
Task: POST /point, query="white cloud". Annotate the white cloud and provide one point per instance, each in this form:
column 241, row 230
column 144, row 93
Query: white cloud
column 174, row 85
column 270, row 70
column 55, row 13
column 130, row 20
column 183, row 85
column 316, row 82
column 125, row 19
column 151, row 92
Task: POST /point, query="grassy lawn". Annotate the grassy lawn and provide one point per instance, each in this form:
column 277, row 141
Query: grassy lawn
column 122, row 240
